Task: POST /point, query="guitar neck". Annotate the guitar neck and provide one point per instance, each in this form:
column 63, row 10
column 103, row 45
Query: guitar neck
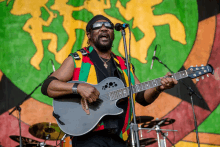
column 124, row 92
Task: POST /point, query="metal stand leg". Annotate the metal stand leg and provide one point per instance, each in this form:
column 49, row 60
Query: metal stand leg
column 158, row 135
column 62, row 140
column 164, row 140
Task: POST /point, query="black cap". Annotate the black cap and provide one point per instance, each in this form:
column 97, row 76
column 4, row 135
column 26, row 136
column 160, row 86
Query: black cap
column 94, row 19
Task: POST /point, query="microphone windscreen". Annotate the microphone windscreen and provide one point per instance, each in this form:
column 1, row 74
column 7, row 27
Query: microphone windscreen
column 117, row 26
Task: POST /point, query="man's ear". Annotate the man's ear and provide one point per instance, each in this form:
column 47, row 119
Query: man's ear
column 88, row 35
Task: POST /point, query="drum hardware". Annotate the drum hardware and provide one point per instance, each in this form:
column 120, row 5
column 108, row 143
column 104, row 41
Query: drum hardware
column 199, row 71
column 35, row 145
column 156, row 127
column 19, row 110
column 143, row 119
column 146, row 141
column 46, row 131
column 62, row 140
column 163, row 141
column 28, row 142
column 25, row 140
column 163, row 122
column 143, row 141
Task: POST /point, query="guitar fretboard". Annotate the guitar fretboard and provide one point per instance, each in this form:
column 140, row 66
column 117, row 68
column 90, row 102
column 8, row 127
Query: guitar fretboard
column 124, row 92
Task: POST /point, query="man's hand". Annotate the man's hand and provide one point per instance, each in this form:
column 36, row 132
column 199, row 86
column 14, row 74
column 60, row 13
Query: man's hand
column 88, row 92
column 167, row 82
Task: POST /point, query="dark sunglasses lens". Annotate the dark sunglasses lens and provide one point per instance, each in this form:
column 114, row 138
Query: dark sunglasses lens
column 98, row 25
column 108, row 25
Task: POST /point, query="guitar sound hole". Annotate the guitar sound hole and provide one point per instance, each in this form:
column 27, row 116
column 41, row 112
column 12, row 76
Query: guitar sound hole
column 109, row 85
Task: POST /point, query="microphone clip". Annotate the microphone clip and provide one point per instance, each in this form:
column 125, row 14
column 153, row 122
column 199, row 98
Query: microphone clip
column 155, row 58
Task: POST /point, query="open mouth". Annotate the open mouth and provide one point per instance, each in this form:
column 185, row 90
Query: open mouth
column 104, row 37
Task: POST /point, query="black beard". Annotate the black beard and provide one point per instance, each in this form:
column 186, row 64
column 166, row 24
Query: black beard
column 103, row 48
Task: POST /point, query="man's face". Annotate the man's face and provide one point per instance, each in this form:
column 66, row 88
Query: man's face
column 102, row 37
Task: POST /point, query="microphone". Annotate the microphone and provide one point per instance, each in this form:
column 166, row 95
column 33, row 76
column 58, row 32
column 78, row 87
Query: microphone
column 119, row 27
column 53, row 65
column 152, row 63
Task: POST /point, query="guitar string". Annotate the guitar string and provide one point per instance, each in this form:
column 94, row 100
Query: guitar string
column 119, row 93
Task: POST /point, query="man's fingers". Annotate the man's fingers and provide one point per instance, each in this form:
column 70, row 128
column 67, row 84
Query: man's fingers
column 165, row 81
column 96, row 93
column 90, row 100
column 168, row 74
column 168, row 82
column 94, row 97
column 162, row 87
column 175, row 81
column 88, row 92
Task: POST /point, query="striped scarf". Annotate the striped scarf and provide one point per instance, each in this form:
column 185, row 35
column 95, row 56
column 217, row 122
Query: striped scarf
column 85, row 71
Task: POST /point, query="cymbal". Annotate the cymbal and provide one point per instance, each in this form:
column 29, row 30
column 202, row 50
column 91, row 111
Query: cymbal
column 147, row 141
column 143, row 119
column 155, row 122
column 42, row 130
column 34, row 145
column 24, row 140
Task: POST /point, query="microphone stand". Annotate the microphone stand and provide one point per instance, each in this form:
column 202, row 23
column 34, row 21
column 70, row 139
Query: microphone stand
column 191, row 92
column 133, row 126
column 19, row 110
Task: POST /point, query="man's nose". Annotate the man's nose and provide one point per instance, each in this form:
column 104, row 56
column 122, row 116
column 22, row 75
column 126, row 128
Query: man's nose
column 103, row 27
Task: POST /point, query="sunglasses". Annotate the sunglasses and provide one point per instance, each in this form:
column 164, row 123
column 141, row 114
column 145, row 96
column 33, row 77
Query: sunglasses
column 98, row 25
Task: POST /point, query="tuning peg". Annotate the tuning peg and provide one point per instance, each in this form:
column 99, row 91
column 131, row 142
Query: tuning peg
column 202, row 77
column 191, row 66
column 196, row 65
column 202, row 65
column 207, row 75
column 197, row 80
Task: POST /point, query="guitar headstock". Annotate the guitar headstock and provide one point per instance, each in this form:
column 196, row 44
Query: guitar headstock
column 194, row 72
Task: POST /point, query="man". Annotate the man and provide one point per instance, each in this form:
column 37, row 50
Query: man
column 93, row 64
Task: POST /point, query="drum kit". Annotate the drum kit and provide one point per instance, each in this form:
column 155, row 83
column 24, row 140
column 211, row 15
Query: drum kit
column 52, row 132
column 147, row 123
column 45, row 131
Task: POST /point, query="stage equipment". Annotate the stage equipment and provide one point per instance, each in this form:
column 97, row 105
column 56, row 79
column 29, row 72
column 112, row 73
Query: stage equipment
column 145, row 142
column 28, row 142
column 46, row 131
column 155, row 125
column 119, row 27
column 201, row 71
column 151, row 66
column 25, row 140
column 144, row 119
column 19, row 110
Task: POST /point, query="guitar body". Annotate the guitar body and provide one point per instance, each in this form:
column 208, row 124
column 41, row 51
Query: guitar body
column 73, row 120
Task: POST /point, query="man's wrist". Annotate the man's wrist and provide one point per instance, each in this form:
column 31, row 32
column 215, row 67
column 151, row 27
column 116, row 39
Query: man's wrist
column 74, row 88
column 158, row 90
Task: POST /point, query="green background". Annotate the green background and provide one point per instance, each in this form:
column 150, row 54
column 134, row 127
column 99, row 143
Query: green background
column 17, row 47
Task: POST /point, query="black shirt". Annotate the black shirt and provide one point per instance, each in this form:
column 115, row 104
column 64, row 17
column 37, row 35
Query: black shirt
column 117, row 121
